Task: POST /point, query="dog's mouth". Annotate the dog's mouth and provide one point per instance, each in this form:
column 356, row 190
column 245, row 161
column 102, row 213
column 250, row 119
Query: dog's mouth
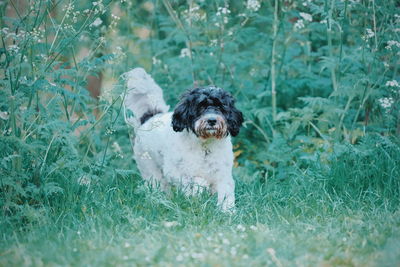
column 211, row 130
column 205, row 131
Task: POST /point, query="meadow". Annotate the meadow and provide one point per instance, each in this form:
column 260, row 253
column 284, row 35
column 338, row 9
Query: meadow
column 317, row 161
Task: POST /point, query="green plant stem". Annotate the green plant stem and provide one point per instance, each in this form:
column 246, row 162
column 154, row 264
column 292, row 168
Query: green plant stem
column 273, row 61
column 330, row 47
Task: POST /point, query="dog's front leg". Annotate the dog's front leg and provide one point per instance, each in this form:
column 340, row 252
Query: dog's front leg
column 226, row 194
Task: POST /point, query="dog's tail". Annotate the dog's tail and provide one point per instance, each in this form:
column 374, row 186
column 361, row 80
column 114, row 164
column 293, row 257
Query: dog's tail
column 143, row 98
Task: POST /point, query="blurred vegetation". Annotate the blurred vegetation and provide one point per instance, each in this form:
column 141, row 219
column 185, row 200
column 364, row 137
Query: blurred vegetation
column 317, row 81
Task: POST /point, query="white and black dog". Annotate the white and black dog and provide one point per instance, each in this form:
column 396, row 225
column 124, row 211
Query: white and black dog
column 189, row 147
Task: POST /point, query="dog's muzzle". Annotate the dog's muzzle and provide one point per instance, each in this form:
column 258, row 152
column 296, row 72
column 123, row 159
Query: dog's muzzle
column 211, row 125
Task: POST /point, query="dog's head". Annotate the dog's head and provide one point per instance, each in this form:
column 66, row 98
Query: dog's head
column 209, row 112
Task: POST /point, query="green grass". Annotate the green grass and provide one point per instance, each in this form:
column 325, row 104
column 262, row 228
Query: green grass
column 343, row 215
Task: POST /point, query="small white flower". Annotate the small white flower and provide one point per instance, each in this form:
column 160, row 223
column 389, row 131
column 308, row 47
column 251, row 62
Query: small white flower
column 13, row 48
column 253, row 227
column 4, row 115
column 392, row 83
column 306, row 16
column 96, row 22
column 185, row 52
column 179, row 257
column 197, row 255
column 386, row 102
column 223, row 10
column 299, row 24
column 116, row 147
column 225, row 241
column 233, row 251
column 84, row 180
column 370, row 33
column 392, row 43
column 253, row 5
column 127, row 245
column 170, row 224
column 156, row 61
column 241, row 228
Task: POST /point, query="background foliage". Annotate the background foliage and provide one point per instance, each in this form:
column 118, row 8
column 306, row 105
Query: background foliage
column 317, row 82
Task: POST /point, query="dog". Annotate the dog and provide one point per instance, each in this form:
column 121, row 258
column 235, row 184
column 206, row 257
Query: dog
column 190, row 147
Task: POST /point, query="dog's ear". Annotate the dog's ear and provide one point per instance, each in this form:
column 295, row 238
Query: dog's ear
column 234, row 116
column 180, row 116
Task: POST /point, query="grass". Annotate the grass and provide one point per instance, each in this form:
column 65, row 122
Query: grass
column 343, row 215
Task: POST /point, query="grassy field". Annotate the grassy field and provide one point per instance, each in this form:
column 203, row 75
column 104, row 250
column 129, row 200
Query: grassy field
column 345, row 215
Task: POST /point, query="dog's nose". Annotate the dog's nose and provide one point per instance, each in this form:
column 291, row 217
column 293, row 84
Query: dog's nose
column 212, row 121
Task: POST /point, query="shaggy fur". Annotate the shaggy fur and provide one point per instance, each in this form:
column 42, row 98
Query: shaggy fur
column 189, row 147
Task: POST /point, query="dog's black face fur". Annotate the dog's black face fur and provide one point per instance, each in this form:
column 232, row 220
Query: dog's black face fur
column 207, row 112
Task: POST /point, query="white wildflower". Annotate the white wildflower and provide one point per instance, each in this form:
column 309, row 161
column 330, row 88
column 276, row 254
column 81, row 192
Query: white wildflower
column 370, row 33
column 392, row 43
column 306, row 16
column 179, row 257
column 13, row 49
column 225, row 241
column 185, row 52
column 253, row 227
column 117, row 149
column 197, row 255
column 299, row 24
column 194, row 14
column 386, row 102
column 127, row 245
column 156, row 61
column 233, row 251
column 253, row 5
column 245, row 256
column 240, row 228
column 4, row 115
column 223, row 10
column 5, row 30
column 84, row 180
column 397, row 18
column 96, row 23
column 170, row 224
column 392, row 83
